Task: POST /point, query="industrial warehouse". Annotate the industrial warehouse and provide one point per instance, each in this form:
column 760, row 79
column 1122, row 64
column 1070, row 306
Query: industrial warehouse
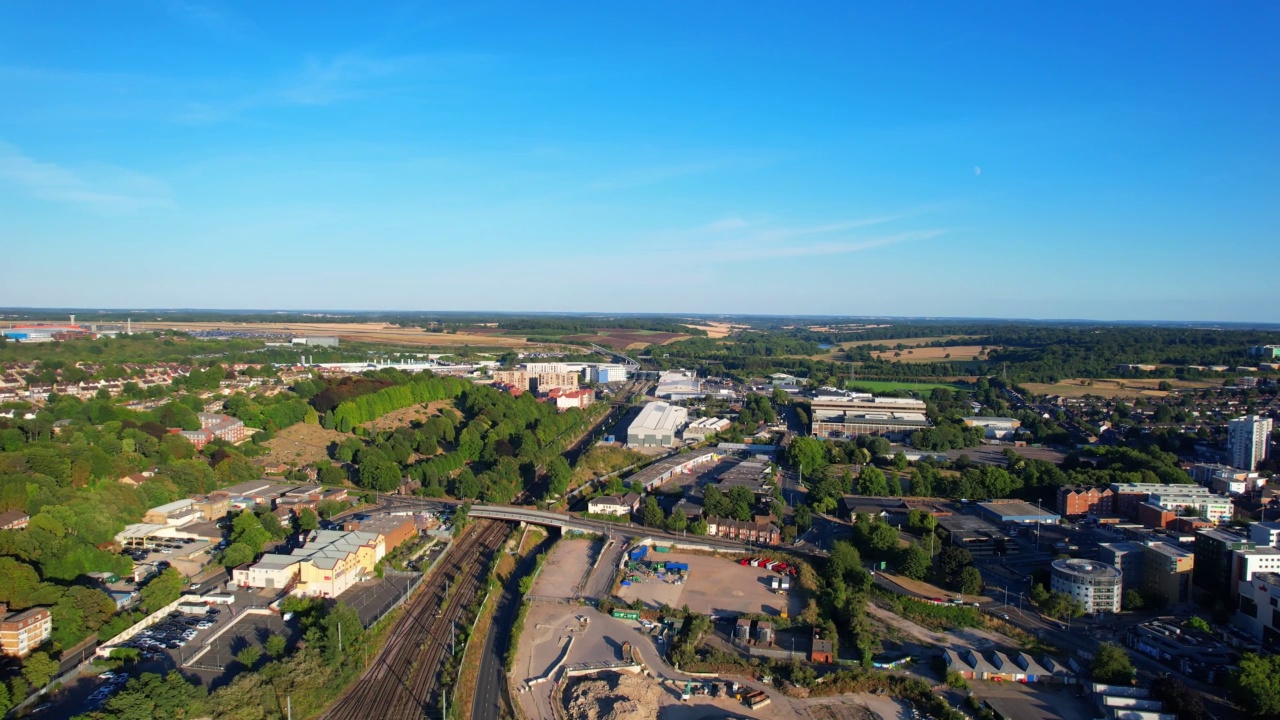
column 852, row 414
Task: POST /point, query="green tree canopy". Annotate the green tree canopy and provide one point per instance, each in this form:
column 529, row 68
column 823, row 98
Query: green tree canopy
column 1111, row 665
column 652, row 515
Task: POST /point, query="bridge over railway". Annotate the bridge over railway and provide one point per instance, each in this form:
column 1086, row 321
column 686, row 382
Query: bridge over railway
column 561, row 520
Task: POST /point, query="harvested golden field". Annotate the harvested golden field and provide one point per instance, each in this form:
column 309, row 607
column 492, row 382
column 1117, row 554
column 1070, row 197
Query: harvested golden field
column 719, row 329
column 1112, row 388
column 301, row 444
column 354, row 332
column 959, row 353
column 621, row 339
column 404, row 416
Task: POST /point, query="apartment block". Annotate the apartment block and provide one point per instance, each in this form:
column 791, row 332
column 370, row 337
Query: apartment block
column 1077, row 501
column 23, row 631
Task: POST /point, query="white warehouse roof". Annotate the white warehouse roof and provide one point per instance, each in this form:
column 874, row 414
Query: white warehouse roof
column 660, row 417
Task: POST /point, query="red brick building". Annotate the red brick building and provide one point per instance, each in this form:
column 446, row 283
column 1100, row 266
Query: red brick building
column 1154, row 516
column 1076, row 501
column 761, row 531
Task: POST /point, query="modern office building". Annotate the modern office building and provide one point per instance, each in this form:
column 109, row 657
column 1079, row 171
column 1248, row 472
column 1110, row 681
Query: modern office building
column 535, row 368
column 1258, row 608
column 1247, row 563
column 1249, row 441
column 1214, row 549
column 1167, row 571
column 1265, row 534
column 606, row 373
column 1127, row 557
column 1215, row 508
column 1095, row 585
column 1129, row 497
column 656, row 425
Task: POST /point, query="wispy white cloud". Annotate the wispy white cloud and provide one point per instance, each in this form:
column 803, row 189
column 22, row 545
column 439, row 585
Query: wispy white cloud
column 736, row 238
column 345, row 77
column 96, row 187
column 835, row 248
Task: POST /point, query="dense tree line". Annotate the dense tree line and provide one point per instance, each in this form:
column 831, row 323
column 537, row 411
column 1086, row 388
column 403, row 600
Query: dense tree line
column 492, row 450
column 424, row 389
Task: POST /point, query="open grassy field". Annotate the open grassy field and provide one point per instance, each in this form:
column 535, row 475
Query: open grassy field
column 959, row 353
column 354, row 332
column 892, row 385
column 1112, row 388
column 404, row 416
column 300, row 444
column 906, row 342
column 623, row 339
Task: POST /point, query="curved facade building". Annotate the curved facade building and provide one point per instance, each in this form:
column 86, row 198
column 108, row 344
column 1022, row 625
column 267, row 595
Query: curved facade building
column 1093, row 584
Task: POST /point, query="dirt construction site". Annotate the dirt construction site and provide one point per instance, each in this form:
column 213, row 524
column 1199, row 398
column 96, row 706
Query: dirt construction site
column 712, row 586
column 563, row 570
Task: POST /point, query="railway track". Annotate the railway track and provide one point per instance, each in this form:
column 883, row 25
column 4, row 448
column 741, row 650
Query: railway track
column 401, row 681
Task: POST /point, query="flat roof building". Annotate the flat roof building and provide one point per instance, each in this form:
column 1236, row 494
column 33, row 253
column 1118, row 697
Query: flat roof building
column 1017, row 511
column 656, row 425
column 176, row 513
column 652, row 476
column 995, row 427
column 852, row 414
column 1095, row 585
column 1249, row 441
column 23, row 631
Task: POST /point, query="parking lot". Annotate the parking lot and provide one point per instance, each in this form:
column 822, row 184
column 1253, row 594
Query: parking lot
column 188, row 555
column 372, row 598
column 162, row 647
column 713, row 586
column 249, row 630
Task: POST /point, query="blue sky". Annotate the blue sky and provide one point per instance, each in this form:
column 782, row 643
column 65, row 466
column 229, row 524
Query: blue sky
column 1065, row 160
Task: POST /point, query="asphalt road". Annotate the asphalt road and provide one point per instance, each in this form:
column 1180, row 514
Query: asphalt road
column 492, row 699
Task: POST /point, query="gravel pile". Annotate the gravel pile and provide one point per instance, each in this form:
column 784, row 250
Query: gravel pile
column 612, row 696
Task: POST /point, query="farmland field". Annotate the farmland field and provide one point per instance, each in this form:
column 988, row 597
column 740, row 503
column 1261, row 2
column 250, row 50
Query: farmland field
column 1121, row 387
column 719, row 329
column 354, row 332
column 959, row 353
column 623, row 339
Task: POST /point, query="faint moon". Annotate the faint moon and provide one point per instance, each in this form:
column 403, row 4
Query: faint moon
column 977, row 170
